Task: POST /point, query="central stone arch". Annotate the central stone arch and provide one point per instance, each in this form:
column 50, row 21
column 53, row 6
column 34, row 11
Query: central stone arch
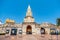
column 28, row 29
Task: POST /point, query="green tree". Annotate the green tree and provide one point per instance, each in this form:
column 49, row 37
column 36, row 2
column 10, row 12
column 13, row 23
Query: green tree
column 58, row 21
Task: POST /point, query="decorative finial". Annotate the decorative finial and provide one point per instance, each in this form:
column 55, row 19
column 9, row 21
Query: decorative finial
column 29, row 7
column 29, row 12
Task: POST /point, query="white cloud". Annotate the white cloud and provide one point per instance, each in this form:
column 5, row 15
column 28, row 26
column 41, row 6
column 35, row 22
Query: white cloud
column 0, row 23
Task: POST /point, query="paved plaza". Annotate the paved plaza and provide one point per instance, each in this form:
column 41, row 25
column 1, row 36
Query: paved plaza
column 28, row 29
column 30, row 37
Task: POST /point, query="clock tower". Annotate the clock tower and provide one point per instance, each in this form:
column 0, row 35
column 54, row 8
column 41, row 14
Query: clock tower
column 29, row 17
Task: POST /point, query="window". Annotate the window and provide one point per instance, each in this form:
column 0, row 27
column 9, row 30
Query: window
column 20, row 31
column 13, row 31
column 52, row 31
column 7, row 31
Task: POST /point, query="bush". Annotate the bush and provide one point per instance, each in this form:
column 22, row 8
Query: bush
column 58, row 33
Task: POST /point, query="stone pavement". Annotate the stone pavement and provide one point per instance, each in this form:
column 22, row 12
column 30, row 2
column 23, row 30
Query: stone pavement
column 30, row 37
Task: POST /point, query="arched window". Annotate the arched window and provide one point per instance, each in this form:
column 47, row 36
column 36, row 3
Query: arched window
column 20, row 31
column 7, row 31
column 14, row 31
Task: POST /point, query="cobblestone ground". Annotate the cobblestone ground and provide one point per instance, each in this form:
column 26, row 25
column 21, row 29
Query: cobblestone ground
column 30, row 37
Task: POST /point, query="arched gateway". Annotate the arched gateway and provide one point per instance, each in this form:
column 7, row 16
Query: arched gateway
column 29, row 30
column 42, row 31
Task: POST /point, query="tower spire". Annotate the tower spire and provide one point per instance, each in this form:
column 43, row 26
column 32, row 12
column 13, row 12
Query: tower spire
column 29, row 12
column 29, row 17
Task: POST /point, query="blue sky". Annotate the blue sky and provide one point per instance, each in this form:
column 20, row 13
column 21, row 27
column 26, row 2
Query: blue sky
column 43, row 10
